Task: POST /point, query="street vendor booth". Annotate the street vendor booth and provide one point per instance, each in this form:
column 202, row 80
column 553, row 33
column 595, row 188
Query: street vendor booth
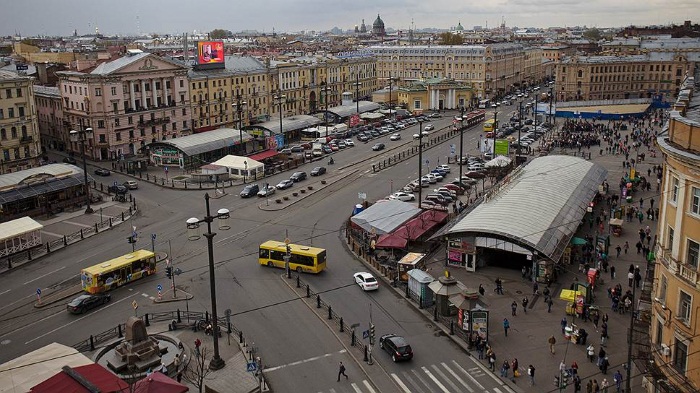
column 410, row 261
column 616, row 226
column 577, row 297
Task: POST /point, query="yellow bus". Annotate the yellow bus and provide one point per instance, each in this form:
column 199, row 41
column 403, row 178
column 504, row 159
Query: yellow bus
column 118, row 271
column 489, row 125
column 302, row 259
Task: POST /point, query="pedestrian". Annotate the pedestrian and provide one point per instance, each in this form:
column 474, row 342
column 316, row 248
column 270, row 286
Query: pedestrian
column 506, row 325
column 626, row 247
column 514, row 307
column 492, row 359
column 549, row 304
column 574, row 368
column 639, row 247
column 564, row 322
column 612, row 272
column 604, row 385
column 504, row 368
column 341, row 371
column 482, row 291
column 641, row 203
column 596, row 388
column 577, row 384
column 596, row 318
column 591, row 352
column 619, row 250
column 531, row 374
column 617, row 378
column 535, row 288
column 601, row 356
column 551, row 341
column 197, row 344
column 524, row 271
column 176, row 362
column 651, row 202
column 514, row 365
column 499, row 286
column 525, row 301
column 630, row 278
column 589, row 386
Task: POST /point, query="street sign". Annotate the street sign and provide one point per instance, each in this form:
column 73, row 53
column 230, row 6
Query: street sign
column 365, row 334
column 287, row 241
column 21, row 67
column 251, row 367
column 134, row 305
column 159, row 287
column 362, row 195
column 427, row 162
column 153, row 236
column 38, row 291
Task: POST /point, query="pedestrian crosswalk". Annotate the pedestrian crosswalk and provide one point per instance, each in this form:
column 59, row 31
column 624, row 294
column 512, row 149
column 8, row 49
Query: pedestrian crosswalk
column 443, row 377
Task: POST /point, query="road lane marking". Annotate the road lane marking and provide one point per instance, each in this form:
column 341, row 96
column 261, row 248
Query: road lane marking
column 431, row 376
column 449, row 382
column 70, row 323
column 2, row 293
column 420, row 378
column 460, row 380
column 268, row 369
column 355, row 388
column 78, row 224
column 44, row 275
column 368, row 386
column 478, row 385
column 400, row 383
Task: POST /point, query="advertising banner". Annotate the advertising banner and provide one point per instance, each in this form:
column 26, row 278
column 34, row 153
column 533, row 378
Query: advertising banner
column 502, row 147
column 480, row 325
column 210, row 52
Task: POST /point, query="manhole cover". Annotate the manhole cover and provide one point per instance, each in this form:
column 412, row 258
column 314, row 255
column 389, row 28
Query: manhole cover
column 5, row 342
column 519, row 292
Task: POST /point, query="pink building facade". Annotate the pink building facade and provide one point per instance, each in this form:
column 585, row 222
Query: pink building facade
column 129, row 102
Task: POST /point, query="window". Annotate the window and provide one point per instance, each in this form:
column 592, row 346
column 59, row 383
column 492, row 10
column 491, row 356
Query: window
column 675, row 184
column 13, row 133
column 2, row 115
column 8, row 93
column 100, row 124
column 118, row 136
column 103, row 138
column 662, row 289
column 659, row 333
column 693, row 253
column 3, row 134
column 695, row 201
column 98, row 92
column 116, row 122
column 680, row 356
column 685, row 302
column 10, row 112
column 21, row 111
column 115, row 107
column 114, row 90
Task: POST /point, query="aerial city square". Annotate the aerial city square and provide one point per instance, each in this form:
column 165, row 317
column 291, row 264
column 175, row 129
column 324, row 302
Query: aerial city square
column 349, row 198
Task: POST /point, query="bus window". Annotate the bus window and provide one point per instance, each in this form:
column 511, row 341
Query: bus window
column 264, row 253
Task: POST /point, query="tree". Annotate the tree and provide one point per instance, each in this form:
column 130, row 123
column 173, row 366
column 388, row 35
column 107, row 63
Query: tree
column 592, row 34
column 218, row 34
column 448, row 38
column 197, row 369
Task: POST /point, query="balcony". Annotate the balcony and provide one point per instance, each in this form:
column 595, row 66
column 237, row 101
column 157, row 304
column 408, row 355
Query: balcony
column 154, row 122
column 689, row 273
column 26, row 139
column 664, row 255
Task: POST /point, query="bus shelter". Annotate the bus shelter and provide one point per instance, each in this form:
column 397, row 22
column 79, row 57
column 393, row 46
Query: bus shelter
column 19, row 235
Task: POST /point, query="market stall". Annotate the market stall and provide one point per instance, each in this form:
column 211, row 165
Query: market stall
column 616, row 226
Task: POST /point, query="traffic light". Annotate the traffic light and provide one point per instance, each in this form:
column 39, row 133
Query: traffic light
column 131, row 240
column 371, row 334
column 169, row 271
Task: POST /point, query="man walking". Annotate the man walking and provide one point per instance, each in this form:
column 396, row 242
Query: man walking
column 506, row 325
column 618, row 380
column 341, row 371
column 551, row 342
column 525, row 302
column 549, row 304
column 531, row 374
column 513, row 307
column 612, row 272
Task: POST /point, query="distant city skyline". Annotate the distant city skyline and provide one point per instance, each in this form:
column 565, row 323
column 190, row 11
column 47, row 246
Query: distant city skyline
column 131, row 17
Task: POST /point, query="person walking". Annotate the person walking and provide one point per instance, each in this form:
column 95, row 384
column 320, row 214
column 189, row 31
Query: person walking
column 506, row 325
column 591, row 352
column 504, row 368
column 482, row 291
column 564, row 322
column 525, row 302
column 617, row 378
column 596, row 318
column 549, row 304
column 514, row 365
column 531, row 374
column 551, row 341
column 341, row 371
column 197, row 344
column 630, row 278
column 492, row 360
column 604, row 385
column 499, row 286
column 577, row 384
column 612, row 272
column 626, row 246
column 513, row 307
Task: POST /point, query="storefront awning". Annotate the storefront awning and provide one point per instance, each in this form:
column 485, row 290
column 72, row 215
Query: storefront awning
column 263, row 155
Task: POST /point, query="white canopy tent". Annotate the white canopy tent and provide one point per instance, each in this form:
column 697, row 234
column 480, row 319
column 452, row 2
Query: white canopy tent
column 238, row 166
column 498, row 162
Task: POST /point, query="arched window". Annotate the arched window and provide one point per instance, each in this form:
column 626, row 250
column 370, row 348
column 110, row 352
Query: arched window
column 3, row 134
column 13, row 132
column 580, row 73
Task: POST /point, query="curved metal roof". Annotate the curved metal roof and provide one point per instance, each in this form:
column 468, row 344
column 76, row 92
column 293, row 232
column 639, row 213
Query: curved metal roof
column 206, row 141
column 539, row 207
column 291, row 123
column 351, row 109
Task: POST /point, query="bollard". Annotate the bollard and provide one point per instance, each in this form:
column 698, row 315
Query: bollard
column 162, row 181
column 65, row 240
column 352, row 338
column 200, row 185
column 366, row 359
column 435, row 317
column 452, row 328
column 92, row 343
column 119, row 331
column 29, row 255
column 122, row 216
column 179, row 318
column 240, row 337
column 146, row 317
column 298, row 282
column 308, row 291
column 341, row 325
column 330, row 312
column 407, row 295
column 110, row 222
column 96, row 228
column 185, row 183
column 81, row 234
column 48, row 248
column 318, row 301
column 172, row 183
column 420, row 302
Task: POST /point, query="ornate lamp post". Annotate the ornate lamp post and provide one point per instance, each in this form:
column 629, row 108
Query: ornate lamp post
column 239, row 107
column 461, row 144
column 279, row 100
column 81, row 137
column 357, row 93
column 420, row 162
column 193, row 223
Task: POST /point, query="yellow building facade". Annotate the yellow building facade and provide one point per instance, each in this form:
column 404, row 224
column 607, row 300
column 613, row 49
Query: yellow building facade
column 675, row 326
column 19, row 130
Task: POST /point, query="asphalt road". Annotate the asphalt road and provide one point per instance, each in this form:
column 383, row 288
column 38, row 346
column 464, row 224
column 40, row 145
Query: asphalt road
column 299, row 349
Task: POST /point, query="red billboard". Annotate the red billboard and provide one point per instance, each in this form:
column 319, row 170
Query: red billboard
column 210, row 52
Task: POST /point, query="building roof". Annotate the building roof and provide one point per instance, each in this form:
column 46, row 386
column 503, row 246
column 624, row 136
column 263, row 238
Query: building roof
column 96, row 375
column 47, row 91
column 291, row 123
column 206, row 141
column 36, row 181
column 18, row 227
column 539, row 207
column 238, row 162
column 385, row 216
column 351, row 109
column 113, row 66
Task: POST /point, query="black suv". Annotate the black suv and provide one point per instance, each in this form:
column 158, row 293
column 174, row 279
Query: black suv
column 396, row 346
column 298, row 176
column 250, row 190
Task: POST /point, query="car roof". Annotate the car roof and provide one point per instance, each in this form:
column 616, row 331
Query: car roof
column 364, row 275
column 398, row 341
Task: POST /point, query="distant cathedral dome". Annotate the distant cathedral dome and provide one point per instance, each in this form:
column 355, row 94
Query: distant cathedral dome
column 378, row 27
column 363, row 27
column 459, row 26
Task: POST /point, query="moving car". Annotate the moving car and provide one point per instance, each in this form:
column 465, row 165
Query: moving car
column 429, row 127
column 117, row 189
column 318, row 171
column 284, row 184
column 395, row 137
column 70, row 160
column 87, row 302
column 366, row 281
column 102, row 172
column 396, row 346
column 267, row 190
column 402, row 196
column 298, row 176
column 378, row 146
column 131, row 184
column 250, row 190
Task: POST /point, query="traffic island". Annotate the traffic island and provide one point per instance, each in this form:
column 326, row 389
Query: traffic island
column 171, row 295
column 294, row 197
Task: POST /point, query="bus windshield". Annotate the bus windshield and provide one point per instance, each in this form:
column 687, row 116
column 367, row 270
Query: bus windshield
column 118, row 271
column 301, row 258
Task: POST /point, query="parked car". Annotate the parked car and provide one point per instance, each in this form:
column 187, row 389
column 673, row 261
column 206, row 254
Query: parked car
column 349, row 143
column 474, row 174
column 362, row 138
column 117, row 189
column 102, row 172
column 250, row 190
column 429, row 127
column 70, row 160
column 342, row 145
column 396, row 346
column 87, row 302
column 395, row 137
column 266, row 191
column 444, row 167
column 131, row 184
column 423, row 133
column 326, row 149
column 284, row 184
column 366, row 281
column 378, row 146
column 298, row 176
column 318, row 171
column 402, row 196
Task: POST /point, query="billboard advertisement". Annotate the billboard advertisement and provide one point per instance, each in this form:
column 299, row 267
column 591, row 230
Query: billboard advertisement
column 210, row 52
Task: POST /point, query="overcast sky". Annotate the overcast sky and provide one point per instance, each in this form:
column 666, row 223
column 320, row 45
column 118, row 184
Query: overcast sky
column 61, row 17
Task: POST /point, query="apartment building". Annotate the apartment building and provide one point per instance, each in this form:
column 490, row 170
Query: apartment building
column 492, row 70
column 128, row 102
column 19, row 130
column 675, row 322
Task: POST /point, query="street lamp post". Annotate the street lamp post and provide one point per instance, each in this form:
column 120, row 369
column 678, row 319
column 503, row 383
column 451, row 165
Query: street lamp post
column 239, row 104
column 420, row 162
column 390, row 98
column 495, row 128
column 357, row 93
column 193, row 223
column 279, row 99
column 461, row 145
column 520, row 126
column 81, row 137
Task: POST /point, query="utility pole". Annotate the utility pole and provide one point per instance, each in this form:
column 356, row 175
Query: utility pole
column 629, row 341
column 371, row 336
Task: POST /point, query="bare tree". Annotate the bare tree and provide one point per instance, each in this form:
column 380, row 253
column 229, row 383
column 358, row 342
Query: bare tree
column 197, row 368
